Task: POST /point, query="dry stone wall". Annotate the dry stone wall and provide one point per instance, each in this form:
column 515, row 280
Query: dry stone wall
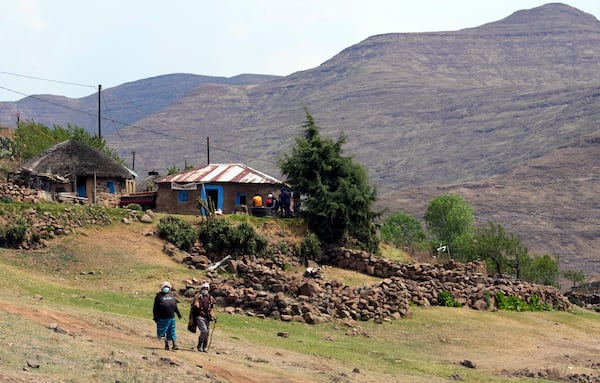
column 263, row 287
column 42, row 226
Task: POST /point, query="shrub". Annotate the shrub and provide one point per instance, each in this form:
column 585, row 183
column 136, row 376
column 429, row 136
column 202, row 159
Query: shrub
column 446, row 299
column 180, row 233
column 509, row 302
column 134, row 206
column 283, row 247
column 310, row 248
column 218, row 236
column 12, row 235
column 6, row 199
column 248, row 241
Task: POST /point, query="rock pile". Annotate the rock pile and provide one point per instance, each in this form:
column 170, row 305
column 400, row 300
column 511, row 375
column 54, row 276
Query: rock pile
column 262, row 287
column 587, row 296
column 12, row 193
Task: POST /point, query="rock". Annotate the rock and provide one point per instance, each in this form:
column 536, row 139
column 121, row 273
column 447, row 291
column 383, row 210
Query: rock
column 146, row 218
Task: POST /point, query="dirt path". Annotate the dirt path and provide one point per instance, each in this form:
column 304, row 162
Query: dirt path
column 228, row 360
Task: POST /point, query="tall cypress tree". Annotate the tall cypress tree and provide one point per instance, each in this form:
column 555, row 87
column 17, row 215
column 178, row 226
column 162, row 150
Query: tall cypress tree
column 339, row 197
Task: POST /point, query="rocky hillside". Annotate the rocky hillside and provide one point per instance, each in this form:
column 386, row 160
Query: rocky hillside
column 493, row 111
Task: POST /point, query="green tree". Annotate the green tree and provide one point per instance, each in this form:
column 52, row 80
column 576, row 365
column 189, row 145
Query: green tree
column 173, row 170
column 449, row 218
column 339, row 197
column 32, row 138
column 574, row 276
column 543, row 269
column 503, row 252
column 401, row 229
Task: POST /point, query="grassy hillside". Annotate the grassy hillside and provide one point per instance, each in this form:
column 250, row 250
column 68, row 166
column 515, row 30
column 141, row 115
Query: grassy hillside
column 80, row 311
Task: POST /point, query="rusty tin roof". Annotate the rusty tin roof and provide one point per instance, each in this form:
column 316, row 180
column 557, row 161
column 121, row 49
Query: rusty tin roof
column 221, row 173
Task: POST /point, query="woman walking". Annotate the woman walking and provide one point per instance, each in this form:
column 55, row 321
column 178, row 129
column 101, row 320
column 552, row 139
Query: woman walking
column 202, row 311
column 164, row 310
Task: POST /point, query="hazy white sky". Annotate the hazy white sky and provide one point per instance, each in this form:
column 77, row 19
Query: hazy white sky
column 111, row 42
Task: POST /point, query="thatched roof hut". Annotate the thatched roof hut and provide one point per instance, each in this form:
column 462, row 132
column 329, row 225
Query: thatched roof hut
column 72, row 158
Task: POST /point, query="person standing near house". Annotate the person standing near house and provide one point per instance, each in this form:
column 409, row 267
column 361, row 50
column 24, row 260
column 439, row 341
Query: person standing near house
column 285, row 199
column 164, row 310
column 257, row 200
column 202, row 310
column 270, row 202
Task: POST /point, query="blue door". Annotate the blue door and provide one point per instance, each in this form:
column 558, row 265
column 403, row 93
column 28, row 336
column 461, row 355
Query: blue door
column 214, row 194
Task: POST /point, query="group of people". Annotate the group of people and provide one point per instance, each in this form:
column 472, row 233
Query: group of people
column 286, row 205
column 201, row 314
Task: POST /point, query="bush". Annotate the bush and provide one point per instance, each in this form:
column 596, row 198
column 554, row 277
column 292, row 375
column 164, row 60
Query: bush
column 310, row 248
column 134, row 206
column 509, row 302
column 220, row 236
column 216, row 235
column 6, row 199
column 248, row 241
column 13, row 234
column 180, row 233
column 446, row 299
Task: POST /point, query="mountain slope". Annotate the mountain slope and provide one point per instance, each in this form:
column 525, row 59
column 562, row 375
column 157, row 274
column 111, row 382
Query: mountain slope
column 550, row 202
column 120, row 106
column 419, row 109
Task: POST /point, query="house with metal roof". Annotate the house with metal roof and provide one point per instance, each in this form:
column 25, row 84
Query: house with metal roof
column 229, row 187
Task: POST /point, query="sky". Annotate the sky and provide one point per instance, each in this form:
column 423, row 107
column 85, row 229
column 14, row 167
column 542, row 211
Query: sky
column 69, row 47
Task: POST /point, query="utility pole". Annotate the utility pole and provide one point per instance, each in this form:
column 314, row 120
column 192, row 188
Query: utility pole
column 133, row 161
column 99, row 111
column 207, row 150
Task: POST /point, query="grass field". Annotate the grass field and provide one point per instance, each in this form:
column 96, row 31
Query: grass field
column 80, row 311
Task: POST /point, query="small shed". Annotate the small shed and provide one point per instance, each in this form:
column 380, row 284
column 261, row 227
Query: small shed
column 77, row 171
column 229, row 186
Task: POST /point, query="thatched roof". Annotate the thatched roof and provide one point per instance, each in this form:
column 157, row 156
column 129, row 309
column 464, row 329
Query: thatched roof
column 74, row 158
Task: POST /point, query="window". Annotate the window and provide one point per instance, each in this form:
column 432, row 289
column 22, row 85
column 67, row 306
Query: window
column 183, row 196
column 240, row 199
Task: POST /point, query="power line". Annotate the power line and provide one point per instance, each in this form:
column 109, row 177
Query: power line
column 49, row 102
column 166, row 135
column 49, row 80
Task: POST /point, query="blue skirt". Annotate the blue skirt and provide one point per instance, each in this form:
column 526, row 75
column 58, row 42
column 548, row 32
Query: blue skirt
column 165, row 327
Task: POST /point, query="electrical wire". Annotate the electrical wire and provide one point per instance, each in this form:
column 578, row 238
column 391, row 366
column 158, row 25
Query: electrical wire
column 162, row 134
column 49, row 80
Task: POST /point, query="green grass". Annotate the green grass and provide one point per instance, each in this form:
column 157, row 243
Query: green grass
column 424, row 347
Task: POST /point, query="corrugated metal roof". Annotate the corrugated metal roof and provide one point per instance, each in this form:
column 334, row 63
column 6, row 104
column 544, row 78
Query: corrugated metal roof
column 220, row 173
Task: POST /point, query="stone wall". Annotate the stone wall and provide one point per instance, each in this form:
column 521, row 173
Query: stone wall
column 263, row 287
column 42, row 226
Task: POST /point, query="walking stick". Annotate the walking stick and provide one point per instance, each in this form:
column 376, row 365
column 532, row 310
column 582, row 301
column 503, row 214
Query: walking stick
column 210, row 336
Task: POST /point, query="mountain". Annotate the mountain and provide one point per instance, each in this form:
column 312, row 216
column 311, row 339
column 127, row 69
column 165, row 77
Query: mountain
column 498, row 113
column 120, row 106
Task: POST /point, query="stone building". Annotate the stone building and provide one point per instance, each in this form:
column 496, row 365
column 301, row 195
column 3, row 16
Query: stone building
column 229, row 186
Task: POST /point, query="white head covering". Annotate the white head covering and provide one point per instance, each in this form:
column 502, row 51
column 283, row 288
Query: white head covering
column 165, row 284
column 205, row 285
